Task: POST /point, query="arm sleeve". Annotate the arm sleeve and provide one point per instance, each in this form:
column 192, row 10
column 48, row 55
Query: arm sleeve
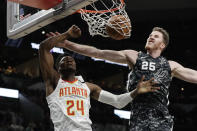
column 118, row 101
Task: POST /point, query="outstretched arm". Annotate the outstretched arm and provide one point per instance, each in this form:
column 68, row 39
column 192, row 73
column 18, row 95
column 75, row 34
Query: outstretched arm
column 126, row 56
column 183, row 73
column 116, row 56
column 49, row 74
column 111, row 55
column 120, row 101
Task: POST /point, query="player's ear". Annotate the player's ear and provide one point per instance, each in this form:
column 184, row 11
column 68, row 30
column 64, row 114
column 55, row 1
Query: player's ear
column 163, row 46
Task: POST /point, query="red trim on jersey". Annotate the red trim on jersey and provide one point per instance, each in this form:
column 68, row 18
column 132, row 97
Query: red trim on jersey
column 71, row 82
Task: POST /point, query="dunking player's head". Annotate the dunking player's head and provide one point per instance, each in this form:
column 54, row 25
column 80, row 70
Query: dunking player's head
column 66, row 65
column 157, row 40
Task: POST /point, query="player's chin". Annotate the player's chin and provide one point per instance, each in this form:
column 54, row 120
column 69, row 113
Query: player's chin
column 68, row 71
column 147, row 47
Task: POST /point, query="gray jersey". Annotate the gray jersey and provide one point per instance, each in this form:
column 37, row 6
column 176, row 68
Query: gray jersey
column 157, row 68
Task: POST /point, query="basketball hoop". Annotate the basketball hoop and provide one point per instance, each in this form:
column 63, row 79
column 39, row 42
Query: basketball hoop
column 98, row 14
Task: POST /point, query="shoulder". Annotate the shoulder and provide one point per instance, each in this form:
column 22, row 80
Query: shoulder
column 93, row 87
column 171, row 62
column 131, row 57
column 174, row 65
column 130, row 52
column 94, row 90
column 80, row 79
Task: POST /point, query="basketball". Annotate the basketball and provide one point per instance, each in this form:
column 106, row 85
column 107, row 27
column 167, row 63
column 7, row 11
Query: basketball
column 118, row 27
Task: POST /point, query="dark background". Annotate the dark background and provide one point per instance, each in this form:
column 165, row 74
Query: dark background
column 178, row 17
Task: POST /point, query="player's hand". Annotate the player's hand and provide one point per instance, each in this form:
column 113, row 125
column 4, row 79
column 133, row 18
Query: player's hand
column 146, row 86
column 74, row 31
column 58, row 38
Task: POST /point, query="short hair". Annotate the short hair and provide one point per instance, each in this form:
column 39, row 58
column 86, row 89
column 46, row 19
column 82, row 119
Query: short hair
column 59, row 58
column 164, row 33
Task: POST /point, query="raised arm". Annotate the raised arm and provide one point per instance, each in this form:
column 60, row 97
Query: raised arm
column 49, row 74
column 111, row 55
column 120, row 101
column 183, row 73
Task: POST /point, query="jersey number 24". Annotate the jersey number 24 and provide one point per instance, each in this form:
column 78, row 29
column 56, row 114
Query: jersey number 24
column 74, row 106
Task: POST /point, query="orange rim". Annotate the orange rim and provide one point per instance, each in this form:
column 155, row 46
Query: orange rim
column 101, row 11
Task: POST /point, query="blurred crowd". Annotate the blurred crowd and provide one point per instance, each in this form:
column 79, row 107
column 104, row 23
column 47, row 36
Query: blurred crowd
column 8, row 71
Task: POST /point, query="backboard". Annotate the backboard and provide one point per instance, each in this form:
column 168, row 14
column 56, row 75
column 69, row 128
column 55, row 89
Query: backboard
column 17, row 27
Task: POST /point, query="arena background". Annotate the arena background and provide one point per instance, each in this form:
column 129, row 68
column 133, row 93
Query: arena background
column 19, row 68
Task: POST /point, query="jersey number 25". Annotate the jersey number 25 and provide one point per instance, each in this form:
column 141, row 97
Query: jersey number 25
column 148, row 65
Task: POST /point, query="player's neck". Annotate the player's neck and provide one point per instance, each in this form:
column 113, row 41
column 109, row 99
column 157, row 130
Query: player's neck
column 70, row 77
column 154, row 53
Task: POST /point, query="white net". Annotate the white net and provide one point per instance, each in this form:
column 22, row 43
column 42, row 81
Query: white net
column 98, row 14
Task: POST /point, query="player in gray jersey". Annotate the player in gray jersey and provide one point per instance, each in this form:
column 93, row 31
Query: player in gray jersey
column 68, row 96
column 151, row 108
column 149, row 111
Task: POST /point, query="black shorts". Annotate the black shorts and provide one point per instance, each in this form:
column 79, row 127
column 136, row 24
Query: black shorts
column 150, row 119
